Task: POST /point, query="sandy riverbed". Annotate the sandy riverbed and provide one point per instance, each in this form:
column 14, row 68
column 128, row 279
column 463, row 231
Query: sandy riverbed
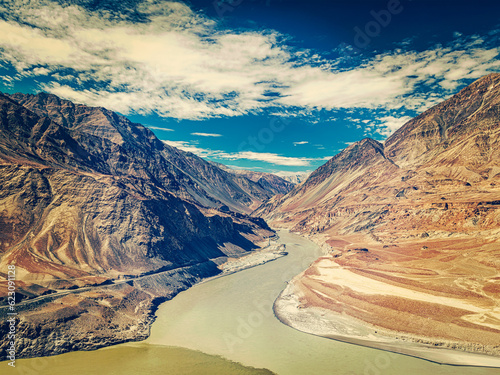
column 321, row 322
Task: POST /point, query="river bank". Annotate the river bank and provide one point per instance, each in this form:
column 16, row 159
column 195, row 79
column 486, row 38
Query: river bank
column 321, row 322
column 115, row 313
column 232, row 317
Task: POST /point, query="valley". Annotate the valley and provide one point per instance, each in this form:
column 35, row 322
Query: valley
column 412, row 229
column 90, row 205
column 104, row 223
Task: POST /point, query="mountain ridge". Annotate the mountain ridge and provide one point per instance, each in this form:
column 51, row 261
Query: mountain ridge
column 268, row 181
column 90, row 208
column 396, row 149
column 185, row 174
column 418, row 215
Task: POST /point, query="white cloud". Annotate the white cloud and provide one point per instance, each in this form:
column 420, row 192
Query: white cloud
column 207, row 134
column 181, row 64
column 267, row 157
column 272, row 158
column 186, row 146
column 159, row 128
column 238, row 168
column 300, row 143
column 177, row 65
column 390, row 80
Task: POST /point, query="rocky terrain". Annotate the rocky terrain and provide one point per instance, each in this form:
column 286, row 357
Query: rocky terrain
column 182, row 173
column 103, row 221
column 294, row 178
column 268, row 181
column 412, row 226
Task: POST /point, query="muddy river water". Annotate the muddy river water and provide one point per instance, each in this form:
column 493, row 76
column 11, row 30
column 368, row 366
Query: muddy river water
column 231, row 319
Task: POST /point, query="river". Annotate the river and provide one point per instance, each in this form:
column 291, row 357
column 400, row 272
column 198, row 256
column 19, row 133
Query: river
column 232, row 317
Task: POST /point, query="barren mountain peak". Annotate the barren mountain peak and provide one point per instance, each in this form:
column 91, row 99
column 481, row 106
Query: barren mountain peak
column 473, row 110
column 425, row 205
column 88, row 197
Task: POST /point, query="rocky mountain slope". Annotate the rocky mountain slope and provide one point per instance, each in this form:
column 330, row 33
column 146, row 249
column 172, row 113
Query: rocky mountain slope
column 92, row 203
column 268, row 181
column 295, row 178
column 420, row 212
column 447, row 156
column 185, row 174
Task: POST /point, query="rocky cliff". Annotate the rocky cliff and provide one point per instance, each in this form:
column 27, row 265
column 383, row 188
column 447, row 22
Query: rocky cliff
column 267, row 181
column 127, row 146
column 102, row 221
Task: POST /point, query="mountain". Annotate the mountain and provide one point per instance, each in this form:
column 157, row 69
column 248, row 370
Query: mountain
column 293, row 177
column 102, row 221
column 467, row 121
column 184, row 174
column 346, row 173
column 268, row 181
column 419, row 212
column 448, row 153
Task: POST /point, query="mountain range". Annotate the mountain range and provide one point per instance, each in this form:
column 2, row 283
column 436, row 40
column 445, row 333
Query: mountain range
column 447, row 156
column 90, row 199
column 268, row 181
column 418, row 216
column 104, row 221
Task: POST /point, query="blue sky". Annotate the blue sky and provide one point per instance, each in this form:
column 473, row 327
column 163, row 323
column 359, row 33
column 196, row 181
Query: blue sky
column 270, row 85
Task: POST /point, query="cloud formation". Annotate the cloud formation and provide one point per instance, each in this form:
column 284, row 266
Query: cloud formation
column 389, row 124
column 267, row 157
column 178, row 63
column 207, row 134
column 159, row 128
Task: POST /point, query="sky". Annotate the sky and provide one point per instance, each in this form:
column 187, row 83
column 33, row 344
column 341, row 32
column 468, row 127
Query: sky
column 267, row 85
